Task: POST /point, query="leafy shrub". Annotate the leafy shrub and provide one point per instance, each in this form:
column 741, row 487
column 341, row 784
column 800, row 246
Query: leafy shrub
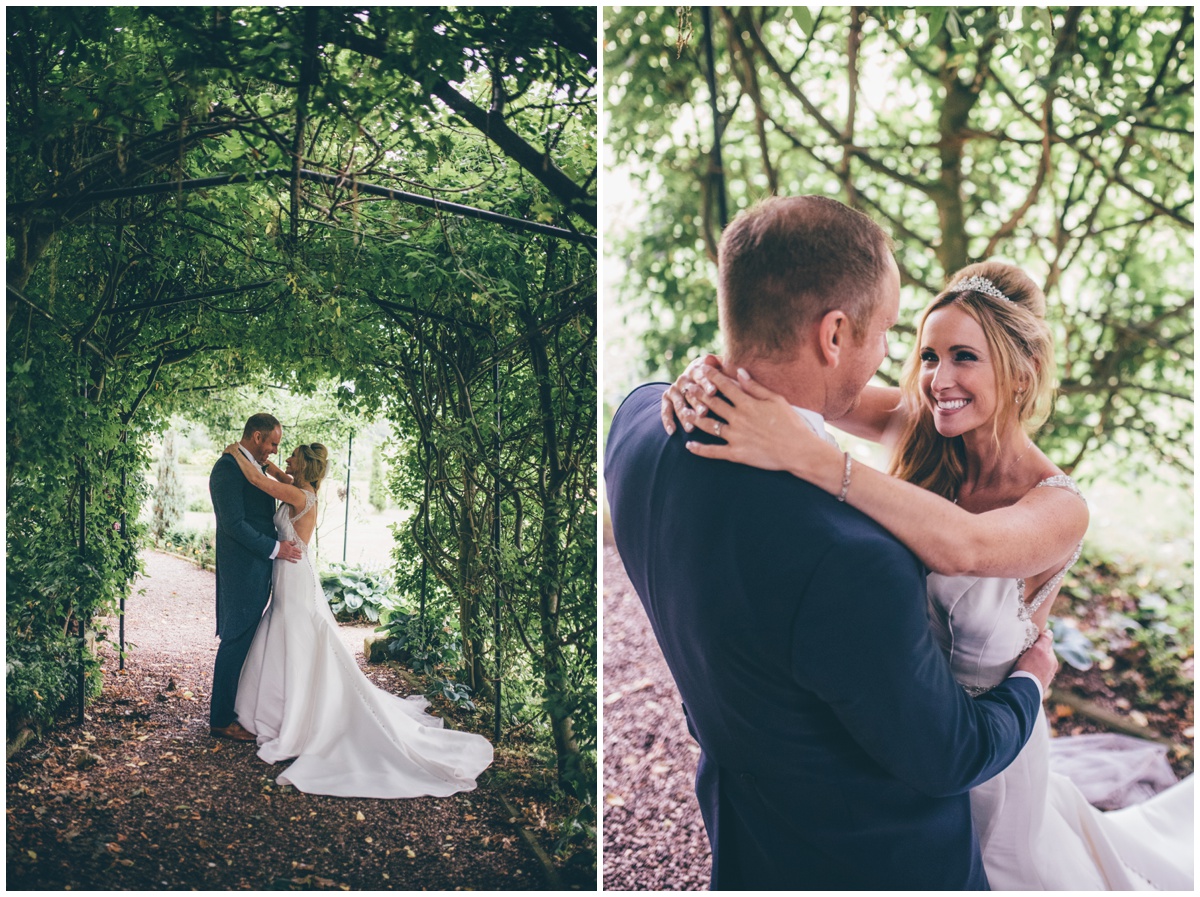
column 425, row 647
column 357, row 594
column 38, row 679
column 1140, row 624
column 1072, row 646
column 198, row 546
column 201, row 505
column 457, row 694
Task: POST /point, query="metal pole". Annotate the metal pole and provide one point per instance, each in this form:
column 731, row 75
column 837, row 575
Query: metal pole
column 424, row 578
column 79, row 679
column 82, row 641
column 125, row 536
column 346, row 525
column 496, row 539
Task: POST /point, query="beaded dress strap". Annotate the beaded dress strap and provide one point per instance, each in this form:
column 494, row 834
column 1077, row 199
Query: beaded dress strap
column 1062, row 481
column 1026, row 610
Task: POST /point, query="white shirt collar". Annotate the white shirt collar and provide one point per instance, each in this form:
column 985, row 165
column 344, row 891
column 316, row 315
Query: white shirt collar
column 246, row 452
column 814, row 420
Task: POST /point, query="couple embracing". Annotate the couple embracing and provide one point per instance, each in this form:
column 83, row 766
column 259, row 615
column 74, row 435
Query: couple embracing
column 862, row 657
column 282, row 677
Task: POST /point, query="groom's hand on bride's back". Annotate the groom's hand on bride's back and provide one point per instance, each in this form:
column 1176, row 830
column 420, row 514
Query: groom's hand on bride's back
column 1040, row 660
column 288, row 551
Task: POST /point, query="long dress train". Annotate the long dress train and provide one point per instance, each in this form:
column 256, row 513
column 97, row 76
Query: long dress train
column 304, row 697
column 1036, row 830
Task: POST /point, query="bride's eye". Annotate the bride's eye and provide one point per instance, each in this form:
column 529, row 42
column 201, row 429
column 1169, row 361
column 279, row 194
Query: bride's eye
column 929, row 357
column 966, row 356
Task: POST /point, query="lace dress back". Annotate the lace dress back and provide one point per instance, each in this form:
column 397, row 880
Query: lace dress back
column 1036, row 830
column 286, row 517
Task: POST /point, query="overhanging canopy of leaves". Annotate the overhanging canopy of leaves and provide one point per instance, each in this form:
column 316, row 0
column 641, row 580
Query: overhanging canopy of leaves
column 127, row 302
column 1059, row 139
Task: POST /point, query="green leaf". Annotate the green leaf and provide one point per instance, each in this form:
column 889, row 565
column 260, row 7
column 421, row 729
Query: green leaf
column 937, row 19
column 804, row 19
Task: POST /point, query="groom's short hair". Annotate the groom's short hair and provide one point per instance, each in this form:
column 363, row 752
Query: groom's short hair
column 786, row 262
column 260, row 423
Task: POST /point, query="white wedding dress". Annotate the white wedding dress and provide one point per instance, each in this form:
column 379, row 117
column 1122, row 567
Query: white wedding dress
column 304, row 697
column 1036, row 830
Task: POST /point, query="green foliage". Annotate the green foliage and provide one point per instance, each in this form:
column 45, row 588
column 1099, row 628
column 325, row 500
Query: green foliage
column 378, row 495
column 1058, row 139
column 457, row 694
column 430, row 647
column 578, row 829
column 127, row 307
column 357, row 594
column 198, row 546
column 1071, row 645
column 200, row 505
column 1141, row 624
column 38, row 679
column 168, row 506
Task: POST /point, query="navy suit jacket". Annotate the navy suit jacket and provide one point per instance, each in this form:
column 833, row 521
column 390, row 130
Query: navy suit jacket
column 245, row 540
column 836, row 748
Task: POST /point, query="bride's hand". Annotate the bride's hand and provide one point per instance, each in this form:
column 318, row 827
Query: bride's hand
column 689, row 393
column 759, row 427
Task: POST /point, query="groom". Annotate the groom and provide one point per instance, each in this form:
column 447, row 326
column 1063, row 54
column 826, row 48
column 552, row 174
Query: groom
column 836, row 749
column 246, row 547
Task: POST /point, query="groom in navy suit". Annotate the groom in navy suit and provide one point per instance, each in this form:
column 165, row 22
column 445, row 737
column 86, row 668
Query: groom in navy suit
column 837, row 751
column 246, row 548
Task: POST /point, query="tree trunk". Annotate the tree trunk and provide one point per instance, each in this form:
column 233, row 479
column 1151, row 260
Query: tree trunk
column 952, row 251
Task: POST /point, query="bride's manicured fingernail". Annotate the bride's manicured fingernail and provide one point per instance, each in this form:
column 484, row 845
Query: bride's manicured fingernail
column 742, row 375
column 701, row 409
column 687, row 426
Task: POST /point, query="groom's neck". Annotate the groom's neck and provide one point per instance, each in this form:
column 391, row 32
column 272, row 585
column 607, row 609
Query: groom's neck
column 799, row 380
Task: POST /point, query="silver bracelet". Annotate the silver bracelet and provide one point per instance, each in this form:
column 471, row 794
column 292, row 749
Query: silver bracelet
column 845, row 478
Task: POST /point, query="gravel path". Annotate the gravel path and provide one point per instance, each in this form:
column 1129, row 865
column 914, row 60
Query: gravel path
column 141, row 797
column 653, row 835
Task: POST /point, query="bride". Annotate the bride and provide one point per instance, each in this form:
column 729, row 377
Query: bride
column 304, row 697
column 972, row 496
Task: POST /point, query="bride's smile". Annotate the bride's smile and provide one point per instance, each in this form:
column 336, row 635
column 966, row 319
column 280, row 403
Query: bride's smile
column 957, row 377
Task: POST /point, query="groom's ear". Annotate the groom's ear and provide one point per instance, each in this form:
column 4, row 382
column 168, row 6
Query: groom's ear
column 833, row 332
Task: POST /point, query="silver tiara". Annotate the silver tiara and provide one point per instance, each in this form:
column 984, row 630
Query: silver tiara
column 979, row 285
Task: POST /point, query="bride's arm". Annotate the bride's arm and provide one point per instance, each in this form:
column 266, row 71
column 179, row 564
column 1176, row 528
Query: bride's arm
column 285, row 492
column 878, row 414
column 273, row 471
column 1025, row 539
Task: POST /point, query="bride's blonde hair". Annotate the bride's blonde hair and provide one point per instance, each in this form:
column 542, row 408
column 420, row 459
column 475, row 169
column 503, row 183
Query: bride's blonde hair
column 1022, row 351
column 316, row 462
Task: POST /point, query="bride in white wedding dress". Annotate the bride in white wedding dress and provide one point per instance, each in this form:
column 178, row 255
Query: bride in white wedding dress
column 304, row 697
column 979, row 504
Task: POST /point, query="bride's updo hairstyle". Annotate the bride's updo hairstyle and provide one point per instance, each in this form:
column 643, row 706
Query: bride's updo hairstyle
column 316, row 462
column 1022, row 353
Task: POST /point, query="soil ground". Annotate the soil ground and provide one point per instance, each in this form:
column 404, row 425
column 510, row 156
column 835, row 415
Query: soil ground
column 142, row 797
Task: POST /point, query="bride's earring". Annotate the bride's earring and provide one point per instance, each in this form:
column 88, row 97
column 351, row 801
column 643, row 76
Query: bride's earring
column 1017, row 398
